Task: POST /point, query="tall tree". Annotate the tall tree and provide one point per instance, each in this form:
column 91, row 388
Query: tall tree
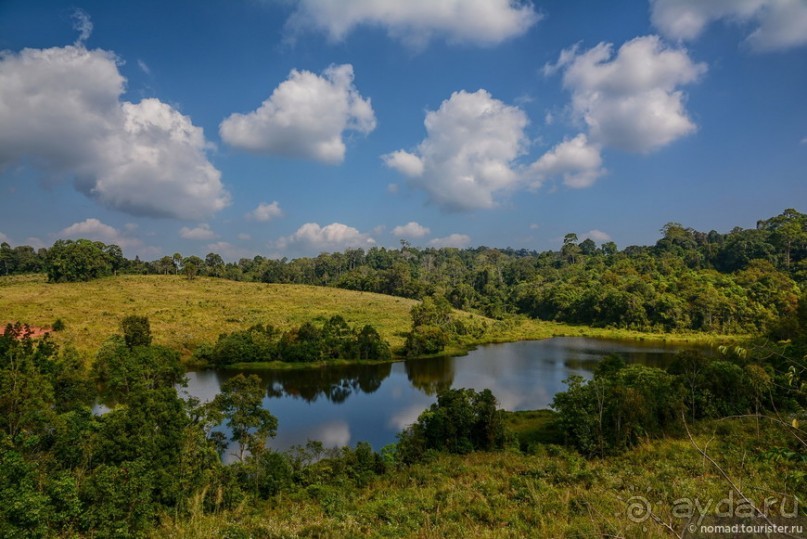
column 788, row 232
column 79, row 260
column 214, row 265
column 241, row 405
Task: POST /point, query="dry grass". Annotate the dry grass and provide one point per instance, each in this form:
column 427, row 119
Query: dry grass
column 186, row 313
column 553, row 493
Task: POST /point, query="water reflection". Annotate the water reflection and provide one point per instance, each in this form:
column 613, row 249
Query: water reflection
column 583, row 353
column 431, row 376
column 342, row 405
column 334, row 434
column 333, row 383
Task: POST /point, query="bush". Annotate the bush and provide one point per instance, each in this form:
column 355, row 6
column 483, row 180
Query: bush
column 424, row 340
column 335, row 340
column 370, row 345
column 253, row 345
column 119, row 500
column 302, row 344
column 266, row 474
column 461, row 421
column 620, row 406
column 136, row 331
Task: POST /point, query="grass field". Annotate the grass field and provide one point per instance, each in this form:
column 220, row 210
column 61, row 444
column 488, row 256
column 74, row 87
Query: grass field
column 553, row 492
column 186, row 313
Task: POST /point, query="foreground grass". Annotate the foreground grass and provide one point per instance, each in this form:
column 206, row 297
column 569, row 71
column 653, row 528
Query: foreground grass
column 551, row 493
column 184, row 313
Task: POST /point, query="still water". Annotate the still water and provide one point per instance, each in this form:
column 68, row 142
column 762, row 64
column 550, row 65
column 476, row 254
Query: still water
column 343, row 405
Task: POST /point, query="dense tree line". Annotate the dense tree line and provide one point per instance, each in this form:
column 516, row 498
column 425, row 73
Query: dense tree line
column 334, row 339
column 689, row 280
column 21, row 259
column 625, row 404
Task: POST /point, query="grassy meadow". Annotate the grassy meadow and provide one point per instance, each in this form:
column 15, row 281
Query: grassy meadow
column 551, row 492
column 185, row 313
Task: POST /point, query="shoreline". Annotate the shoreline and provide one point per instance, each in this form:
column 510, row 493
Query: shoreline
column 459, row 350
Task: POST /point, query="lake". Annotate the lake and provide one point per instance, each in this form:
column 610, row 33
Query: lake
column 343, row 405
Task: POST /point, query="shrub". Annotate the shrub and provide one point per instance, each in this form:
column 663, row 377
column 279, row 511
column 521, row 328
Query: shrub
column 136, row 331
column 423, row 340
column 461, row 421
column 618, row 407
column 335, row 340
column 370, row 345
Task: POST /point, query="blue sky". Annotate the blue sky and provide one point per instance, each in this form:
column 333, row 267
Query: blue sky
column 290, row 127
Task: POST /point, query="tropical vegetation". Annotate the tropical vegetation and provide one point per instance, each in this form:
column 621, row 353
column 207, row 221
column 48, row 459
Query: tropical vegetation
column 709, row 427
column 735, row 282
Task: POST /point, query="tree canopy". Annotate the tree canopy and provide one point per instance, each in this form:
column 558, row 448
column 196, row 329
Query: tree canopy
column 734, row 282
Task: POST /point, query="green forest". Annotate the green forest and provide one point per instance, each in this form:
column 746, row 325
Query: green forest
column 708, row 425
column 743, row 281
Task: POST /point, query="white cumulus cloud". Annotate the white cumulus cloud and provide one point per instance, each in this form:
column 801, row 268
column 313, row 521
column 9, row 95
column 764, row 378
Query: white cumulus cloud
column 597, row 235
column 228, row 251
column 91, row 229
column 94, row 229
column 407, row 416
column 774, row 24
column 459, row 241
column 411, row 229
column 4, row 238
column 201, row 232
column 265, row 212
column 469, row 152
column 405, row 163
column 311, row 237
column 35, row 242
column 60, row 110
column 416, row 22
column 630, row 100
column 577, row 162
column 306, row 116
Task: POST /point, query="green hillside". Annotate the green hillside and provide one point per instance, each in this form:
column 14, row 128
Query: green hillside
column 185, row 313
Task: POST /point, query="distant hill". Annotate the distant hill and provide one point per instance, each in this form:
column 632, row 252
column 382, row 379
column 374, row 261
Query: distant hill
column 185, row 313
